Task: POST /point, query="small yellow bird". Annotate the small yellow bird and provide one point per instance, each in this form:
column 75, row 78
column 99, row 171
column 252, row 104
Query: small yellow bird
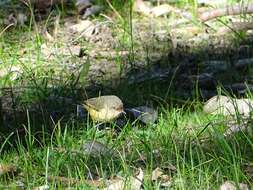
column 104, row 108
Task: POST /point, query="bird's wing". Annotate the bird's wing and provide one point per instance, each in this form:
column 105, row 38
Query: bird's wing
column 93, row 103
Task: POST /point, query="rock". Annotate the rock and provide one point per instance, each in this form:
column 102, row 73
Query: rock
column 10, row 20
column 228, row 106
column 82, row 5
column 80, row 111
column 239, row 88
column 15, row 19
column 97, row 149
column 144, row 114
column 216, row 66
column 204, row 81
column 244, row 63
column 93, row 10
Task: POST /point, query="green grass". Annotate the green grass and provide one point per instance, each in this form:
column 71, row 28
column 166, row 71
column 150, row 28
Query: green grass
column 202, row 156
column 199, row 165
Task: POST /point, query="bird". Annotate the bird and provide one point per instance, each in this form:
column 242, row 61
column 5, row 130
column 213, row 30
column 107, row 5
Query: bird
column 104, row 108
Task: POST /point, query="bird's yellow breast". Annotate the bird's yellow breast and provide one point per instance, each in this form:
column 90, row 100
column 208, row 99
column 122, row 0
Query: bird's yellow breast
column 103, row 115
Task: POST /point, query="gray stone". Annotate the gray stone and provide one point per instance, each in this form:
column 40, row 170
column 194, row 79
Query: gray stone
column 228, row 106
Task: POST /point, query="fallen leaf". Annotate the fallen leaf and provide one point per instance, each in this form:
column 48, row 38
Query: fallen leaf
column 156, row 174
column 137, row 180
column 133, row 183
column 230, row 185
column 117, row 185
column 162, row 179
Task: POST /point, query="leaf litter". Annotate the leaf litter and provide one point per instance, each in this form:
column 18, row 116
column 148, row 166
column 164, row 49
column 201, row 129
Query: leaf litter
column 132, row 183
column 159, row 177
column 6, row 169
column 230, row 185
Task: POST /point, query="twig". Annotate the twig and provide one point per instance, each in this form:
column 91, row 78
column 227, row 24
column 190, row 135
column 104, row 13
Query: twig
column 226, row 11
